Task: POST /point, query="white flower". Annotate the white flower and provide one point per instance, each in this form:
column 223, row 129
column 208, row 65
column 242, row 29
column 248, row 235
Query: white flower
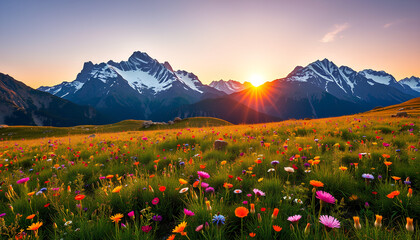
column 271, row 170
column 289, row 169
column 183, row 190
column 237, row 191
column 68, row 223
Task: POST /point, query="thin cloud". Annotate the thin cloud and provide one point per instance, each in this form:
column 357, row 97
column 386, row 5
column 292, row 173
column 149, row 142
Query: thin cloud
column 395, row 22
column 331, row 36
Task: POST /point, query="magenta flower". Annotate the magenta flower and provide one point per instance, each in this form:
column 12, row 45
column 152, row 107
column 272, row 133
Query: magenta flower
column 146, row 229
column 131, row 214
column 258, row 192
column 203, row 175
column 204, row 185
column 155, row 201
column 325, row 197
column 329, row 221
column 188, row 212
column 101, row 178
column 23, row 180
column 294, row 218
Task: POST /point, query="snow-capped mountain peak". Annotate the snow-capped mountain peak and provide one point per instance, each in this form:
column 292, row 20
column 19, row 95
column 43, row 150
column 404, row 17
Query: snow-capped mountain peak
column 412, row 82
column 230, row 86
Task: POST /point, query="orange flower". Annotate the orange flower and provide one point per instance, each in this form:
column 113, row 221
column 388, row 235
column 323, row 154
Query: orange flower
column 357, row 224
column 31, row 194
column 385, row 155
column 252, row 208
column 241, row 212
column 136, row 163
column 393, row 194
column 162, row 188
column 117, row 217
column 30, row 216
column 409, row 226
column 172, row 237
column 117, row 189
column 109, row 176
column 378, row 221
column 343, row 168
column 34, row 226
column 258, row 161
column 387, row 163
column 410, row 192
column 79, row 197
column 316, row 162
column 275, row 213
column 252, row 234
column 396, row 178
column 180, row 228
column 277, row 228
column 202, row 166
column 152, row 176
column 227, row 185
column 316, row 183
column 195, row 184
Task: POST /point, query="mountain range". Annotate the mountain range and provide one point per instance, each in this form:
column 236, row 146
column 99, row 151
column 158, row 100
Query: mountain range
column 144, row 88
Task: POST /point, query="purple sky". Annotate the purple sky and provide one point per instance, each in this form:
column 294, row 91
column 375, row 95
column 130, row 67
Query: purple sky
column 47, row 42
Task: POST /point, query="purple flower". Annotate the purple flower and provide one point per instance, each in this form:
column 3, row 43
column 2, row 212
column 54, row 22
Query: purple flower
column 275, row 162
column 203, row 175
column 188, row 212
column 329, row 221
column 325, row 197
column 294, row 218
column 157, row 218
column 258, row 192
column 368, row 176
column 23, row 180
column 210, row 190
column 306, row 164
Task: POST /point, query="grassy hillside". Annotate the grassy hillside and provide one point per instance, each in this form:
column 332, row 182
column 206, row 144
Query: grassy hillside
column 412, row 107
column 31, row 132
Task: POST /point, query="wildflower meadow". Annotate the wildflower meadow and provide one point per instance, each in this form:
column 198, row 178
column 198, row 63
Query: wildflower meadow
column 353, row 177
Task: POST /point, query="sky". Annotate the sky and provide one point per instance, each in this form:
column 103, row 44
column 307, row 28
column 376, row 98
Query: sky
column 47, row 42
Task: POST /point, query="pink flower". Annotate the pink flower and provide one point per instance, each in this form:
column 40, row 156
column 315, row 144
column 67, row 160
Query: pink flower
column 325, row 197
column 258, row 192
column 188, row 212
column 329, row 221
column 155, row 201
column 23, row 180
column 204, row 185
column 294, row 218
column 146, row 229
column 199, row 228
column 131, row 214
column 203, row 175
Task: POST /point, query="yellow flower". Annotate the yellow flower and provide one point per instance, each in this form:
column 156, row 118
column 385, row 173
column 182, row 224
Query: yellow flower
column 343, row 168
column 223, row 162
column 182, row 181
column 260, row 180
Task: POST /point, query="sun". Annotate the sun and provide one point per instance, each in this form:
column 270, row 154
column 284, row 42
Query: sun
column 256, row 80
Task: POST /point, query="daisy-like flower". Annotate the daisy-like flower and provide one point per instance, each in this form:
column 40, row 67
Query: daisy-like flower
column 237, row 191
column 368, row 176
column 183, row 190
column 325, row 197
column 188, row 212
column 275, row 162
column 258, row 192
column 294, row 218
column 219, row 219
column 180, row 228
column 117, row 217
column 271, row 170
column 289, row 169
column 23, row 180
column 35, row 226
column 329, row 221
column 203, row 175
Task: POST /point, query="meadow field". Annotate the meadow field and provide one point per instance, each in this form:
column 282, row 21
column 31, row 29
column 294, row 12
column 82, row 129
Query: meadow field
column 352, row 177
